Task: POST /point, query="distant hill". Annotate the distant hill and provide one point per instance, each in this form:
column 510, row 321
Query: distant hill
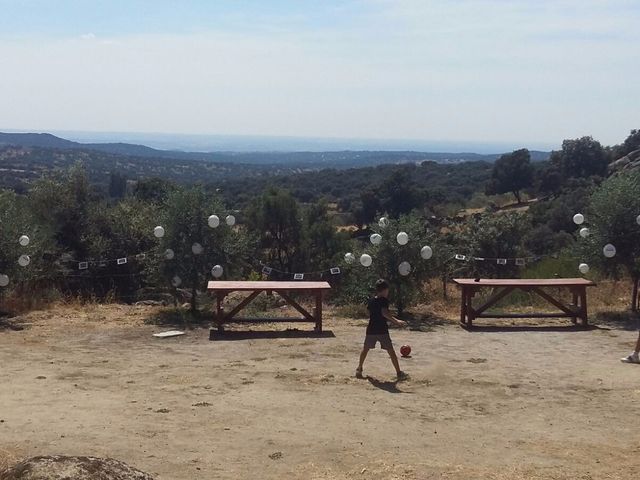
column 20, row 165
column 334, row 159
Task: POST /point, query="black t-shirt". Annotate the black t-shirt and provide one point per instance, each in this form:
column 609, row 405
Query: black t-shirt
column 377, row 323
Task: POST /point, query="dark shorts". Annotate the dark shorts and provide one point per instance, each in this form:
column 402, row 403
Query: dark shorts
column 384, row 339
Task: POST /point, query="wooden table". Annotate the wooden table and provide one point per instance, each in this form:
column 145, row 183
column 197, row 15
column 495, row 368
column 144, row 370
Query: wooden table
column 221, row 289
column 503, row 287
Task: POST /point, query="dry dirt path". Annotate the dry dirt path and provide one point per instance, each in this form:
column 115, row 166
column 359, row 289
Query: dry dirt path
column 487, row 404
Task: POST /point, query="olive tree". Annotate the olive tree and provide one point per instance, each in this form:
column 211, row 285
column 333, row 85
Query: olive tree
column 612, row 218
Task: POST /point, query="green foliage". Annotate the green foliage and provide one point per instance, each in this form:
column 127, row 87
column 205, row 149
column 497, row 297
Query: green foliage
column 556, row 213
column 611, row 217
column 117, row 185
column 117, row 232
column 387, row 256
column 291, row 237
column 582, row 157
column 184, row 218
column 630, row 144
column 494, row 236
column 512, row 172
column 16, row 219
column 321, row 246
column 275, row 219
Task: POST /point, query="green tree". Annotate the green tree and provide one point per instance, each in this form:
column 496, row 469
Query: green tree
column 117, row 185
column 389, row 254
column 367, row 208
column 512, row 172
column 493, row 236
column 16, row 220
column 185, row 222
column 62, row 203
column 399, row 194
column 155, row 190
column 611, row 216
column 630, row 144
column 582, row 157
column 322, row 246
column 275, row 218
column 119, row 231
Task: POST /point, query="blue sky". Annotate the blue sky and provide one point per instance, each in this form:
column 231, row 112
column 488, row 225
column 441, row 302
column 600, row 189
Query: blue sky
column 526, row 73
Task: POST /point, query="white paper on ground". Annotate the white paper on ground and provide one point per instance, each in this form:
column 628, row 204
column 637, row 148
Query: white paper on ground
column 170, row 333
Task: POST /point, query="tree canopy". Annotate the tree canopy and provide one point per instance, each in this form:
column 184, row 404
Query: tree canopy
column 512, row 172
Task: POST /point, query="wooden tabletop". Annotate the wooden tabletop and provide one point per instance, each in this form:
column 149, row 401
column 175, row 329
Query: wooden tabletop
column 526, row 282
column 267, row 285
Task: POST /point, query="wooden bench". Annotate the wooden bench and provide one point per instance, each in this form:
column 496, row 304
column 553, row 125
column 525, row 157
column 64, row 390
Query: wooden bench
column 220, row 289
column 503, row 287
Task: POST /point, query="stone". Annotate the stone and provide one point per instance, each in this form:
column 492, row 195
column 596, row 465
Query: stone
column 625, row 164
column 60, row 467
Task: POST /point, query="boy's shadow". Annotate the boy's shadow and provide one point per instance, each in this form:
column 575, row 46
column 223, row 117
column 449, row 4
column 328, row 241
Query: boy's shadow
column 391, row 387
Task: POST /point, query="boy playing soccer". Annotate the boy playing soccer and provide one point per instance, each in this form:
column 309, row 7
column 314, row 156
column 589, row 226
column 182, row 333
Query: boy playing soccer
column 378, row 330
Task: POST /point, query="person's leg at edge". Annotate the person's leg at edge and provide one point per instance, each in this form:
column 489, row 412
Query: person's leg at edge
column 394, row 360
column 363, row 356
column 635, row 356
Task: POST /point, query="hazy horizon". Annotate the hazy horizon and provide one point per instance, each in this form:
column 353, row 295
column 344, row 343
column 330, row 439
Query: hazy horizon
column 486, row 72
column 274, row 143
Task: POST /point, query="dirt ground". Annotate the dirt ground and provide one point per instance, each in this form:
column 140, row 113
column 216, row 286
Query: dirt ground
column 503, row 403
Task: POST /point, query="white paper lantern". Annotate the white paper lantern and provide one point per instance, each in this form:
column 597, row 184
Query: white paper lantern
column 578, row 219
column 176, row 281
column 24, row 240
column 402, row 238
column 169, row 254
column 158, row 231
column 609, row 251
column 376, row 238
column 383, row 222
column 426, row 252
column 584, row 268
column 217, row 271
column 638, row 219
column 404, row 269
column 584, row 232
column 4, row 280
column 230, row 220
column 197, row 249
column 213, row 221
column 24, row 260
column 366, row 260
column 349, row 258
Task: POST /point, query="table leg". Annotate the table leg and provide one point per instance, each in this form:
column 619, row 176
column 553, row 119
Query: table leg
column 463, row 306
column 318, row 311
column 583, row 306
column 575, row 303
column 219, row 311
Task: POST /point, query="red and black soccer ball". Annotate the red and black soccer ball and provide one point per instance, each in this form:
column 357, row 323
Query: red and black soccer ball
column 405, row 350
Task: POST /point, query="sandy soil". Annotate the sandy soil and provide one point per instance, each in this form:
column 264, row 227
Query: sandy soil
column 522, row 403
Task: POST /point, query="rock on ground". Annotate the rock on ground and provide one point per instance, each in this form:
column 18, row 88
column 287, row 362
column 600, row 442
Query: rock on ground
column 58, row 467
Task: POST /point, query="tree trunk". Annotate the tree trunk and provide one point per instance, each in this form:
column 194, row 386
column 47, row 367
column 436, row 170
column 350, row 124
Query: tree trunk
column 634, row 295
column 517, row 195
column 194, row 299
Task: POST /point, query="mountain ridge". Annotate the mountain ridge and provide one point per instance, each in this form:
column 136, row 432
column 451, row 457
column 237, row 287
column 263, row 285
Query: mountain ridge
column 329, row 159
